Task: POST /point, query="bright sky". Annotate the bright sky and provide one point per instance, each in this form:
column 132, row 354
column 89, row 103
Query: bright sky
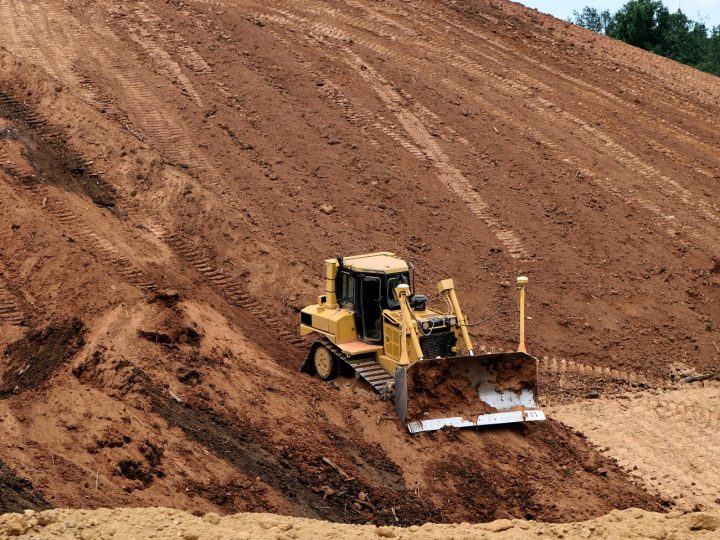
column 707, row 11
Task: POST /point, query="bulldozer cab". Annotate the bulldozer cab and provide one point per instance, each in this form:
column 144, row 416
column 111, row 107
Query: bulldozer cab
column 368, row 294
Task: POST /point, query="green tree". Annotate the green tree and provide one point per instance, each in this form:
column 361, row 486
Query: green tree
column 641, row 23
column 683, row 40
column 648, row 24
column 711, row 60
column 592, row 19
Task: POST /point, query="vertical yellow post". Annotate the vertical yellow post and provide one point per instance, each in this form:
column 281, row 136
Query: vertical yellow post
column 447, row 287
column 404, row 359
column 522, row 281
column 409, row 331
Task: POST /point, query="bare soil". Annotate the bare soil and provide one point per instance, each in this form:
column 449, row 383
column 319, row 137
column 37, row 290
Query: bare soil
column 165, row 523
column 33, row 359
column 683, row 423
column 17, row 494
column 172, row 175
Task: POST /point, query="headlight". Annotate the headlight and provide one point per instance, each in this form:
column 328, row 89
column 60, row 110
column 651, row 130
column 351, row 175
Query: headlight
column 452, row 321
column 425, row 325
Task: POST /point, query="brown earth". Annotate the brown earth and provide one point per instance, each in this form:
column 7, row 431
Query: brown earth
column 17, row 494
column 173, row 173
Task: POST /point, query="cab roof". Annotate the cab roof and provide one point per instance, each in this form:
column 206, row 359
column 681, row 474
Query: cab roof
column 379, row 263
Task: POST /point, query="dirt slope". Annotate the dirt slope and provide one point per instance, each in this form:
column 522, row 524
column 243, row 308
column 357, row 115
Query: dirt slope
column 165, row 171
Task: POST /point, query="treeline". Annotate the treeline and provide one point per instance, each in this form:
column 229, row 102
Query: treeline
column 648, row 24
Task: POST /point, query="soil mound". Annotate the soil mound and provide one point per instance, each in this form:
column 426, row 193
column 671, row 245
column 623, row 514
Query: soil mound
column 163, row 523
column 448, row 387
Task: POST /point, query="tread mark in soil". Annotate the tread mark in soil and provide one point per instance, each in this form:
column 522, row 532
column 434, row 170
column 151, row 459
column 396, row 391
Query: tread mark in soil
column 229, row 286
column 10, row 311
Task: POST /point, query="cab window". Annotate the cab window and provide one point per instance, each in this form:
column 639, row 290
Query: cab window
column 345, row 285
column 392, row 282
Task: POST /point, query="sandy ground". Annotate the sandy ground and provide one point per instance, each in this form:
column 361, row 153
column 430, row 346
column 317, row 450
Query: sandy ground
column 669, row 440
column 164, row 523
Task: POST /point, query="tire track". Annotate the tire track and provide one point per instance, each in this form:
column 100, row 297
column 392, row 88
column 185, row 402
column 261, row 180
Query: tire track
column 663, row 219
column 360, row 119
column 354, row 115
column 230, row 287
column 19, row 38
column 447, row 173
column 103, row 102
column 146, row 29
column 525, row 87
column 10, row 310
column 670, row 72
column 423, row 144
column 504, row 55
column 58, row 53
column 558, row 366
column 682, row 423
column 52, row 202
column 702, row 232
column 140, row 108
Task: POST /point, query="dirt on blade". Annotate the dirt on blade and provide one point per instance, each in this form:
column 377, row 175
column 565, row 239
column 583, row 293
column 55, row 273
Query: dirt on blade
column 449, row 387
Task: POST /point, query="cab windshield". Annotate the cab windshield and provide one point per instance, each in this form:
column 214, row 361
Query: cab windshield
column 393, row 280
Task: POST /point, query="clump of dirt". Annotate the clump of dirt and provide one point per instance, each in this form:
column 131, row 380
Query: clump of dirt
column 174, row 336
column 35, row 357
column 234, row 495
column 112, row 438
column 190, row 377
column 141, row 472
column 168, row 297
column 171, row 326
column 17, row 494
column 516, row 373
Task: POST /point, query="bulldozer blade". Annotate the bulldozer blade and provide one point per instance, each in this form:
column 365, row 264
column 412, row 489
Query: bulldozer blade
column 466, row 391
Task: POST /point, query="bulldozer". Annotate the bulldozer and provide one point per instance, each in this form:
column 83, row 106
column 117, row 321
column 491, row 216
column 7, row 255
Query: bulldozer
column 372, row 325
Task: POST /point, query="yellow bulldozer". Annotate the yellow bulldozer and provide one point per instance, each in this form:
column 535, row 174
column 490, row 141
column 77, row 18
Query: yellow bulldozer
column 371, row 324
